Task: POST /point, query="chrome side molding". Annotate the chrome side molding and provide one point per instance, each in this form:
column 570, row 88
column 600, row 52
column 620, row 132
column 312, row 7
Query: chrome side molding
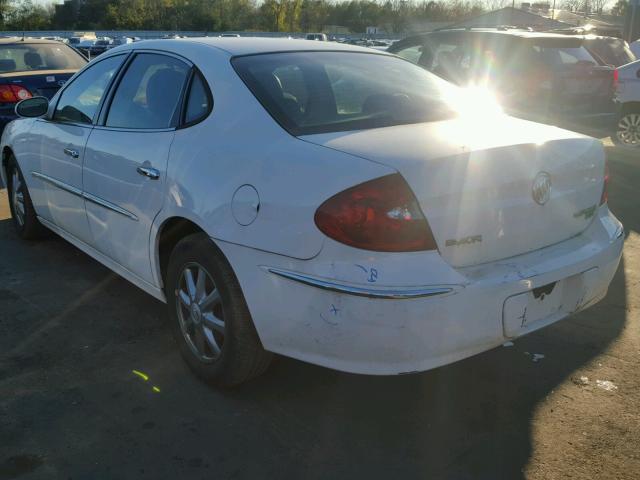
column 87, row 196
column 57, row 183
column 109, row 205
column 379, row 293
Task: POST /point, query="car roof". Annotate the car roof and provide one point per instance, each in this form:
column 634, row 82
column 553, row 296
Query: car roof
column 254, row 45
column 494, row 32
column 511, row 33
column 26, row 40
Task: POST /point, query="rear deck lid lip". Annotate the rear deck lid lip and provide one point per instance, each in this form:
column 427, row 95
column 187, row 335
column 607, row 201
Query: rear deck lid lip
column 36, row 73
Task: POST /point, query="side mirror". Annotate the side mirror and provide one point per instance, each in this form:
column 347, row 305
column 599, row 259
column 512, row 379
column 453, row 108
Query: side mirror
column 32, row 107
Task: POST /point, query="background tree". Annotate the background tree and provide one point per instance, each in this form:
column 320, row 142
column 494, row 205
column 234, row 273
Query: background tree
column 620, row 8
column 395, row 16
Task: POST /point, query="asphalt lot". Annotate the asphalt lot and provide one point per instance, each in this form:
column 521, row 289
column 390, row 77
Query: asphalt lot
column 72, row 332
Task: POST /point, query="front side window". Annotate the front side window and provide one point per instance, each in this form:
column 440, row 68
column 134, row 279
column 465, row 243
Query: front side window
column 81, row 99
column 337, row 91
column 149, row 93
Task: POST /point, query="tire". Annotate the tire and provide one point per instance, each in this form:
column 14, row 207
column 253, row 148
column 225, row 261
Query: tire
column 627, row 132
column 24, row 215
column 209, row 317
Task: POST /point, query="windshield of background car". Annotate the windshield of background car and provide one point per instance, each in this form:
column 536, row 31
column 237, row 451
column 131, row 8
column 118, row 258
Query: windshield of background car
column 39, row 56
column 320, row 92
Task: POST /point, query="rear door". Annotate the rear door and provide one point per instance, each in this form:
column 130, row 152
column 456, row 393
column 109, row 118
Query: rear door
column 126, row 158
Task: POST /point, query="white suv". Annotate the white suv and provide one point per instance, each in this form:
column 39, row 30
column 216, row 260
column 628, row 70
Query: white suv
column 628, row 100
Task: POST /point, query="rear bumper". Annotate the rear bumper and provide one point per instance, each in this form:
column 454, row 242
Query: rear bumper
column 377, row 335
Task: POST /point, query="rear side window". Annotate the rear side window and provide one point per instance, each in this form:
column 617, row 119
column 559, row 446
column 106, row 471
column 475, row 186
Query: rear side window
column 322, row 92
column 563, row 56
column 199, row 101
column 411, row 53
column 149, row 93
column 80, row 100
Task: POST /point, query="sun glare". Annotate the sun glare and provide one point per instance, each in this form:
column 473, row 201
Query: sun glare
column 474, row 101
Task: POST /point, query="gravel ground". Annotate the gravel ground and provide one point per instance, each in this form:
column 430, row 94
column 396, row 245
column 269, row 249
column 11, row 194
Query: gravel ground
column 72, row 332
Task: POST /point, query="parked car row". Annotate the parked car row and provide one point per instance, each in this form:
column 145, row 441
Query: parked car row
column 93, row 47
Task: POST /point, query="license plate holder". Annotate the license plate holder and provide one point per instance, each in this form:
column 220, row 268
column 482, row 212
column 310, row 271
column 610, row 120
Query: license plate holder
column 542, row 305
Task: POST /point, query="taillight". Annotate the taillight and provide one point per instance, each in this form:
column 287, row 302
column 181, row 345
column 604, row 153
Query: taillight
column 13, row 93
column 616, row 79
column 605, row 184
column 381, row 215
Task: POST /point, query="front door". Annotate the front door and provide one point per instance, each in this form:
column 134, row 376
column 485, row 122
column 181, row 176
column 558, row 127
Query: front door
column 61, row 148
column 126, row 159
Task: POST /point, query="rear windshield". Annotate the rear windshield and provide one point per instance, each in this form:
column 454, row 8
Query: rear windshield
column 42, row 56
column 319, row 92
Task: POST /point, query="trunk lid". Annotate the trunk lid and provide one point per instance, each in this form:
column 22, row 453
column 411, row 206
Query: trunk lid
column 476, row 183
column 44, row 83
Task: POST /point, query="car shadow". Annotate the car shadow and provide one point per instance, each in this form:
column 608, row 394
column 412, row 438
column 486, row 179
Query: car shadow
column 468, row 420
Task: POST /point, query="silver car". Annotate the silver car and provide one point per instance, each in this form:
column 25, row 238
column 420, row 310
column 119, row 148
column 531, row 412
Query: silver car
column 628, row 101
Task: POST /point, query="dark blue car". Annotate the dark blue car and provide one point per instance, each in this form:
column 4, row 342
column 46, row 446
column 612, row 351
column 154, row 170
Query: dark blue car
column 31, row 68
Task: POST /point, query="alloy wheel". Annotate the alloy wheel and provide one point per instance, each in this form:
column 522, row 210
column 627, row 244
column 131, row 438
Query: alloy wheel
column 17, row 197
column 628, row 132
column 200, row 312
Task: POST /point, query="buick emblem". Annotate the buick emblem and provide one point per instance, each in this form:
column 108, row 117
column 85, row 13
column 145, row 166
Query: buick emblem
column 541, row 189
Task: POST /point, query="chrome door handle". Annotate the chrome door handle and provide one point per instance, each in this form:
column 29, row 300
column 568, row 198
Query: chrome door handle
column 152, row 173
column 71, row 152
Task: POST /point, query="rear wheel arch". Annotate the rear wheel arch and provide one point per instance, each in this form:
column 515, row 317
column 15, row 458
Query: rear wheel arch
column 170, row 232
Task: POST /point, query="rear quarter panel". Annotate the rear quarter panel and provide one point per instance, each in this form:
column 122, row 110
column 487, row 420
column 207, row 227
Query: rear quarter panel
column 240, row 144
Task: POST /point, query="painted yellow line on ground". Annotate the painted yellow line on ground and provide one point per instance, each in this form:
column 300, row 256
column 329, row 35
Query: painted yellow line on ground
column 140, row 374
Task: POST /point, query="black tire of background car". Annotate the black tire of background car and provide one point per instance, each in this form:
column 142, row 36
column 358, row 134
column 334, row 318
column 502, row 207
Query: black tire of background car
column 242, row 357
column 31, row 229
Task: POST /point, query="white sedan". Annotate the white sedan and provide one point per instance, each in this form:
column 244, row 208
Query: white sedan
column 322, row 201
